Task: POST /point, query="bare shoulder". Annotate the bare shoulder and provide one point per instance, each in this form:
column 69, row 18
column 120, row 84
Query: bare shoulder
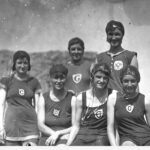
column 147, row 100
column 112, row 97
column 79, row 99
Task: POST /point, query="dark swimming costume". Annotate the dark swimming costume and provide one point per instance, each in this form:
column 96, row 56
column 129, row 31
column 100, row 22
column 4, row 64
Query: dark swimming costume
column 129, row 114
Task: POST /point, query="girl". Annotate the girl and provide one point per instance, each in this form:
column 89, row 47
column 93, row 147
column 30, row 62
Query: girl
column 128, row 110
column 117, row 58
column 90, row 126
column 20, row 91
column 55, row 109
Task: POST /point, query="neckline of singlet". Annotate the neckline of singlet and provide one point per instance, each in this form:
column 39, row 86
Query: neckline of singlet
column 132, row 98
column 78, row 64
column 54, row 98
column 93, row 97
column 116, row 54
column 25, row 80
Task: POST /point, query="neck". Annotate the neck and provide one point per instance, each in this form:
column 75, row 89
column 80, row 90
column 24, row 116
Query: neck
column 59, row 93
column 21, row 76
column 100, row 93
column 130, row 96
column 115, row 50
column 77, row 62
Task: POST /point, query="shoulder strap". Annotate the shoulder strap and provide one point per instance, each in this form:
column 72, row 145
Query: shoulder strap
column 109, row 91
column 84, row 99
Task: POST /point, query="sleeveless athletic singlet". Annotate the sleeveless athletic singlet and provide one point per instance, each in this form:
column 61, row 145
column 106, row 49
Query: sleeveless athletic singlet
column 116, row 62
column 129, row 115
column 93, row 126
column 20, row 116
column 78, row 78
column 57, row 115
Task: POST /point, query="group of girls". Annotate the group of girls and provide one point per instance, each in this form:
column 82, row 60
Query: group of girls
column 88, row 104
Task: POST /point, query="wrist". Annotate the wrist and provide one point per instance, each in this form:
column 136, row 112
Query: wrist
column 58, row 132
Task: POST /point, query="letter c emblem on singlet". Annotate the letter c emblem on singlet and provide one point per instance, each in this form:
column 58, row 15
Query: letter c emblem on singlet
column 129, row 108
column 21, row 92
column 77, row 78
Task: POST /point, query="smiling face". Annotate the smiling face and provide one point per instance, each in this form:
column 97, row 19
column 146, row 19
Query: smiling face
column 114, row 37
column 22, row 66
column 76, row 52
column 100, row 80
column 129, row 84
column 58, row 81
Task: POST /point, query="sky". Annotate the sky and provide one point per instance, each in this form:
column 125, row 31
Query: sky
column 43, row 25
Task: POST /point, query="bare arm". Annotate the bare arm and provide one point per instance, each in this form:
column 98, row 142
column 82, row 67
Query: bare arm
column 2, row 107
column 2, row 113
column 37, row 97
column 147, row 107
column 76, row 116
column 41, row 117
column 110, row 119
column 134, row 61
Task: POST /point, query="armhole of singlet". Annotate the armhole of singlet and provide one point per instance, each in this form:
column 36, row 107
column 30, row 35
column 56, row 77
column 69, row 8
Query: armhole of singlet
column 144, row 104
column 109, row 91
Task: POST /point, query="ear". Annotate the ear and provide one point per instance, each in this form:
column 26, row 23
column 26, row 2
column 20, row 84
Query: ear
column 91, row 77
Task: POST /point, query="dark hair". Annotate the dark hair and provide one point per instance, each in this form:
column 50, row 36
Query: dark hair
column 130, row 70
column 58, row 68
column 100, row 67
column 20, row 54
column 112, row 25
column 75, row 40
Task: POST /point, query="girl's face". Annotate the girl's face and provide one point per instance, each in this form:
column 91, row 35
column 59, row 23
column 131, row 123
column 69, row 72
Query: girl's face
column 76, row 52
column 100, row 80
column 129, row 84
column 22, row 65
column 114, row 37
column 58, row 81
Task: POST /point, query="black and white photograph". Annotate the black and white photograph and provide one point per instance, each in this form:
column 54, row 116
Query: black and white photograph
column 75, row 74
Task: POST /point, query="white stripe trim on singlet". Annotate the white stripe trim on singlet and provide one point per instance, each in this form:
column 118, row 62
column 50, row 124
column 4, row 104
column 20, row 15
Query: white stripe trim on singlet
column 22, row 138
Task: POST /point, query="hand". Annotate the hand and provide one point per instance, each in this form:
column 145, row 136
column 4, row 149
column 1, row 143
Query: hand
column 52, row 139
column 2, row 136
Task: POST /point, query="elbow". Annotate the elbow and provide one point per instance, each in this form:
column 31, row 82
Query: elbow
column 75, row 128
column 40, row 126
column 110, row 131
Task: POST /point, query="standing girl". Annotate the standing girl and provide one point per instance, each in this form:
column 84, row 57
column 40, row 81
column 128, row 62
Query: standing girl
column 20, row 91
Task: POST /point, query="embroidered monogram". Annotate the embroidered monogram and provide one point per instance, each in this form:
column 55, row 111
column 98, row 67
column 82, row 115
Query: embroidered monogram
column 98, row 113
column 77, row 78
column 129, row 108
column 118, row 65
column 21, row 92
column 56, row 112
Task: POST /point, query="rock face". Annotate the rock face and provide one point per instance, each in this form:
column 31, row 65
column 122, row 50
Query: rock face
column 40, row 63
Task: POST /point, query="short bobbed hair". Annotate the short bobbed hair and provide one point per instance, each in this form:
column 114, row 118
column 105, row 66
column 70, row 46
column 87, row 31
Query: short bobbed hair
column 100, row 67
column 112, row 25
column 20, row 54
column 130, row 70
column 58, row 69
column 75, row 40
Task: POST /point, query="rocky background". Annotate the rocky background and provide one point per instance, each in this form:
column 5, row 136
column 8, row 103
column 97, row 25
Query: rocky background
column 40, row 63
